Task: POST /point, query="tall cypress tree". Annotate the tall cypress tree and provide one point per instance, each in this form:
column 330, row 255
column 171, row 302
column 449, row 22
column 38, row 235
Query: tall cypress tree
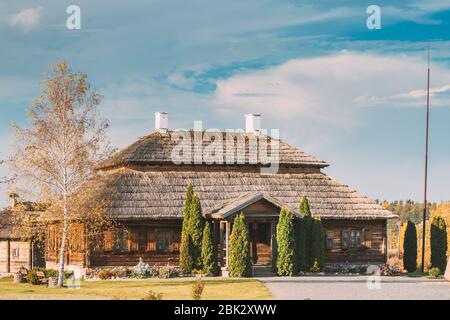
column 285, row 262
column 187, row 206
column 208, row 253
column 305, row 240
column 196, row 224
column 438, row 243
column 239, row 264
column 410, row 247
column 300, row 244
column 186, row 263
column 317, row 244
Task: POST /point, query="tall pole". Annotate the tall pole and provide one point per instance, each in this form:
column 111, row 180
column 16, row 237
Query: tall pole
column 426, row 164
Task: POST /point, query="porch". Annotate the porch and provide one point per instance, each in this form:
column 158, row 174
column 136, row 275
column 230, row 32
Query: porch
column 261, row 214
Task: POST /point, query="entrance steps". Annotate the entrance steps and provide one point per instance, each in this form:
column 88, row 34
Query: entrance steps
column 263, row 271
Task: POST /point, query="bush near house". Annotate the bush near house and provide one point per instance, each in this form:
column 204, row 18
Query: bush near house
column 286, row 260
column 410, row 247
column 196, row 223
column 208, row 253
column 300, row 243
column 438, row 243
column 186, row 248
column 317, row 245
column 304, row 237
column 239, row 264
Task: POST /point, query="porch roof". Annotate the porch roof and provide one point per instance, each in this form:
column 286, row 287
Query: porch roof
column 235, row 205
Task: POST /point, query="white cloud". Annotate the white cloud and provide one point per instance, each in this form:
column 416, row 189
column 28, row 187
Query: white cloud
column 327, row 92
column 26, row 18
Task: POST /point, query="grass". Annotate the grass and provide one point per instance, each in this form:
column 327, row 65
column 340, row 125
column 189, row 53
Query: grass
column 173, row 289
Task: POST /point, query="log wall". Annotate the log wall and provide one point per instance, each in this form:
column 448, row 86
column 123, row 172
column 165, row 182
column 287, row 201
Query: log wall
column 373, row 241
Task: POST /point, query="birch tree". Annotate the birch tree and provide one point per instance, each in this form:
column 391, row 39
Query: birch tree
column 55, row 155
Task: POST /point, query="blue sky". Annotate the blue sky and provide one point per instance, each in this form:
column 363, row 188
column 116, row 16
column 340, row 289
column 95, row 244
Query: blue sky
column 349, row 95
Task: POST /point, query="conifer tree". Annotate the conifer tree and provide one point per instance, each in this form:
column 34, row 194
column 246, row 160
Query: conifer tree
column 186, row 263
column 285, row 262
column 195, row 228
column 317, row 244
column 305, row 239
column 410, row 247
column 438, row 243
column 208, row 253
column 239, row 264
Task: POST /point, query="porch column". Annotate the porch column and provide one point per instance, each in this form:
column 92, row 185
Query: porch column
column 8, row 256
column 227, row 242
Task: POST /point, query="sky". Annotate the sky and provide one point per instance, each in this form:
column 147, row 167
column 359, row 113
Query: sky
column 352, row 96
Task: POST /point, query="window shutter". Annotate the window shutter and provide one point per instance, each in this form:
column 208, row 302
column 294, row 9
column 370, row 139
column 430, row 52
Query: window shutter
column 151, row 240
column 107, row 241
column 362, row 238
column 368, row 239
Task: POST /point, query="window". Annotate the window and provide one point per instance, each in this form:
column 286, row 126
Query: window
column 329, row 240
column 121, row 243
column 15, row 252
column 176, row 239
column 344, row 240
column 107, row 241
column 355, row 239
column 151, row 240
column 163, row 240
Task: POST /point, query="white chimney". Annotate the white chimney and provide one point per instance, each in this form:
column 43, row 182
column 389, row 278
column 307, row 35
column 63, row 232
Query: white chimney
column 161, row 121
column 253, row 123
column 13, row 199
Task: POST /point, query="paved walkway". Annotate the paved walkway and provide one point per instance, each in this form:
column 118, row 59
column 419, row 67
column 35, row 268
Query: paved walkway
column 356, row 288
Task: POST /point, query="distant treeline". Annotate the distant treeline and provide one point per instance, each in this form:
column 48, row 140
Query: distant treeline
column 408, row 209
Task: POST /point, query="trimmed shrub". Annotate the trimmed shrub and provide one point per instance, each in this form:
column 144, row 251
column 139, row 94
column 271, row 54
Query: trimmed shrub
column 105, row 274
column 285, row 262
column 304, row 237
column 197, row 289
column 239, row 264
column 410, row 247
column 300, row 245
column 196, row 224
column 317, row 244
column 208, row 253
column 141, row 270
column 438, row 243
column 434, row 273
column 186, row 262
column 32, row 277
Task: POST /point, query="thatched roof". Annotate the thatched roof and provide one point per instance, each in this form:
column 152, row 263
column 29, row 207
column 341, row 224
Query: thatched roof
column 160, row 194
column 11, row 216
column 157, row 147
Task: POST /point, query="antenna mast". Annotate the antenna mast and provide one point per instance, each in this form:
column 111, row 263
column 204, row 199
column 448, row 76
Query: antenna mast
column 426, row 165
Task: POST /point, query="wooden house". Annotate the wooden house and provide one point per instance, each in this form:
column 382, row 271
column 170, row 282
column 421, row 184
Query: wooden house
column 17, row 248
column 145, row 188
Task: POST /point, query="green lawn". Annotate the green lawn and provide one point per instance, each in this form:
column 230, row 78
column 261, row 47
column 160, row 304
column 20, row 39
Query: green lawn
column 173, row 289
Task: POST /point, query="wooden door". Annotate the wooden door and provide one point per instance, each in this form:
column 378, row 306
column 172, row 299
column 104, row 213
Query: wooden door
column 260, row 243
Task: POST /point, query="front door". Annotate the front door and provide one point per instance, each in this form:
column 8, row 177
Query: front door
column 260, row 243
